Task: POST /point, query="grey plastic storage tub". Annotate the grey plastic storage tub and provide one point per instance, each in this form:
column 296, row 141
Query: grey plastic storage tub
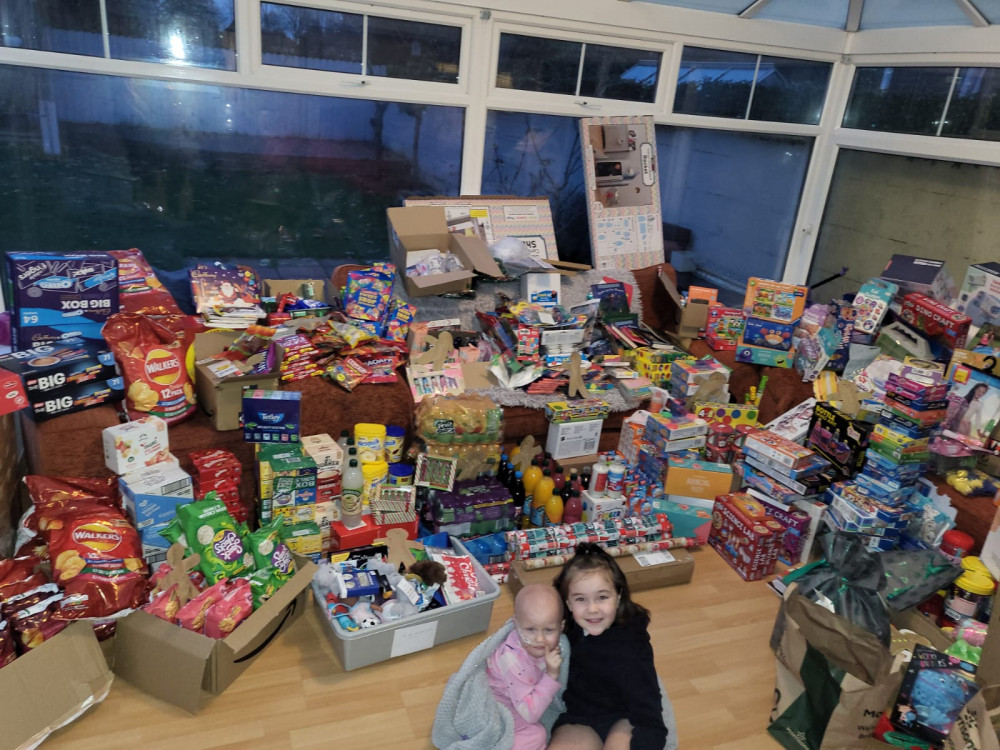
column 416, row 633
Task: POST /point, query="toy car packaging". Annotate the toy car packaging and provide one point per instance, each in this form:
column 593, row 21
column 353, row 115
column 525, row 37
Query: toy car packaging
column 96, row 556
column 151, row 355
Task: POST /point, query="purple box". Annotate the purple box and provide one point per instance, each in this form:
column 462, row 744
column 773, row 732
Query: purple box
column 271, row 416
column 52, row 289
column 29, row 337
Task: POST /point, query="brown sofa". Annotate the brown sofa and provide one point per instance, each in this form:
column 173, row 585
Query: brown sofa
column 71, row 445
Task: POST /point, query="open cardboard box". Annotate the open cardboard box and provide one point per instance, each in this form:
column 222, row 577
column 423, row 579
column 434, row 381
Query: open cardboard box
column 639, row 578
column 222, row 398
column 684, row 322
column 176, row 665
column 52, row 685
column 424, row 227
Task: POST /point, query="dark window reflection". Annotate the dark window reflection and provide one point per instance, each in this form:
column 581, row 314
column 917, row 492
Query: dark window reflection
column 531, row 63
column 714, row 83
column 974, row 110
column 790, row 90
column 201, row 33
column 316, row 39
column 619, row 73
column 408, row 49
column 188, row 170
column 52, row 26
column 898, row 100
column 534, row 155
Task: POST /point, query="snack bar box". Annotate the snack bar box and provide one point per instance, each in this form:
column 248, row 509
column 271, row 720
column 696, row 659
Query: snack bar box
column 416, row 633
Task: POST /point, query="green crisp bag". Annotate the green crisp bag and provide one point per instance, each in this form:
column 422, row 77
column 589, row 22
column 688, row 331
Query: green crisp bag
column 263, row 585
column 267, row 545
column 213, row 534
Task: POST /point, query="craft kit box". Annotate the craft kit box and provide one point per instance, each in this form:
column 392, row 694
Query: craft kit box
column 980, row 295
column 411, row 634
column 271, row 416
column 49, row 367
column 925, row 275
column 51, row 289
column 665, row 568
column 688, row 520
column 601, row 507
column 702, row 479
column 424, row 227
column 936, row 320
column 137, row 444
column 222, row 397
column 176, row 665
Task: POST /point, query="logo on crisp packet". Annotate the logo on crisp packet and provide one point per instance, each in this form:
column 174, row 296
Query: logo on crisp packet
column 270, row 418
column 227, row 546
column 282, row 559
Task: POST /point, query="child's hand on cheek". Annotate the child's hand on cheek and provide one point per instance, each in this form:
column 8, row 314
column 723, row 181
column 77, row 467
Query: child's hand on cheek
column 553, row 660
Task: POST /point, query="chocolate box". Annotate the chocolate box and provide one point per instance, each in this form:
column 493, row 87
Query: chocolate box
column 77, row 397
column 49, row 289
column 29, row 337
column 52, row 366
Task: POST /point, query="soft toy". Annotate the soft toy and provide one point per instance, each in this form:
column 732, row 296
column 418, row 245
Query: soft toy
column 395, row 609
column 326, row 581
column 363, row 615
column 341, row 613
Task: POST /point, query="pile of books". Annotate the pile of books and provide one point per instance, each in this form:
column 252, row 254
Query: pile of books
column 226, row 296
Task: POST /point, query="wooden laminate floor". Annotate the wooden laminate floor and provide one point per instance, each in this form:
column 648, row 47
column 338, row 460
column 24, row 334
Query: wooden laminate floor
column 710, row 639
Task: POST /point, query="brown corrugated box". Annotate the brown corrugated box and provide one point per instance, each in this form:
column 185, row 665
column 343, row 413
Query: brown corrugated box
column 639, row 578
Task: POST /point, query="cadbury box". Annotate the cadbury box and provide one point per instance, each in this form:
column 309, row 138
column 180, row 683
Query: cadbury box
column 51, row 366
column 176, row 665
column 52, row 685
column 664, row 568
column 30, row 337
column 75, row 398
column 51, row 289
column 222, row 397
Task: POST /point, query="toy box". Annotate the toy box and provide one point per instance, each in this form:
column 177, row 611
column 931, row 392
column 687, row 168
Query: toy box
column 841, row 439
column 688, row 520
column 408, row 635
column 662, row 428
column 700, row 479
column 724, row 327
column 48, row 367
column 936, row 320
column 794, row 546
column 541, row 288
column 136, row 444
column 871, row 304
column 569, row 439
column 745, row 536
column 601, row 507
column 731, row 414
column 271, row 416
column 780, row 449
column 980, row 294
column 925, row 275
column 768, row 334
column 50, row 289
column 576, row 411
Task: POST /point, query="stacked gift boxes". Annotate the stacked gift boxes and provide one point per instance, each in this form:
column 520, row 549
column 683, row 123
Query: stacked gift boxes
column 708, row 376
column 745, row 536
column 219, row 471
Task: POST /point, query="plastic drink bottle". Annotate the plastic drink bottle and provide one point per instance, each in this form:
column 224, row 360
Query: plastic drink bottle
column 558, row 477
column 554, row 509
column 616, row 479
column 585, row 478
column 502, row 474
column 599, row 480
column 542, row 499
column 517, row 497
column 574, row 480
column 573, row 508
column 530, row 479
column 352, row 483
column 342, row 440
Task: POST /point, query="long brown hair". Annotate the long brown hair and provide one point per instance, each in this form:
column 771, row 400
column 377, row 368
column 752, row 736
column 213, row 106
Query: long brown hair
column 590, row 558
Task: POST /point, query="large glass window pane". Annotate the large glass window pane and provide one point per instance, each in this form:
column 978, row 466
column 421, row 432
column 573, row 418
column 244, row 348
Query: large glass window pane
column 315, row 39
column 739, row 195
column 532, row 63
column 882, row 204
column 790, row 90
column 185, row 170
column 974, row 109
column 52, row 26
column 714, row 83
column 408, row 49
column 619, row 73
column 898, row 100
column 180, row 32
column 534, row 155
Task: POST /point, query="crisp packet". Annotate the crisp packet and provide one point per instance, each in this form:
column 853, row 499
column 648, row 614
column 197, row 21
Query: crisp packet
column 267, row 545
column 192, row 615
column 35, row 625
column 30, row 598
column 165, row 605
column 263, row 585
column 215, row 536
column 232, row 609
column 348, row 373
column 7, row 650
column 351, row 334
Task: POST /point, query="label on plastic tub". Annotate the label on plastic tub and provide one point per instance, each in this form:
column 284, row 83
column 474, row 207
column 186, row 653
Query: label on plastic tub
column 414, row 638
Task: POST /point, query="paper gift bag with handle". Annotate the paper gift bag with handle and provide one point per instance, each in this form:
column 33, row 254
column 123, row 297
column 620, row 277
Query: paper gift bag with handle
column 834, row 679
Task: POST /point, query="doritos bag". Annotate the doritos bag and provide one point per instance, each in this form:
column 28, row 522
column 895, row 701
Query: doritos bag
column 151, row 355
column 96, row 556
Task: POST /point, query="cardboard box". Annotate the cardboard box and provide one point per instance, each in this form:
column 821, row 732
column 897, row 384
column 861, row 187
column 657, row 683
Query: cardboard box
column 925, row 275
column 425, row 227
column 701, row 479
column 688, row 520
column 639, row 578
column 134, row 445
column 980, row 295
column 150, row 497
column 570, row 439
column 76, row 397
column 51, row 289
column 176, row 665
column 541, row 288
column 222, row 398
column 415, row 633
column 685, row 322
column 52, row 685
column 50, row 367
column 29, row 337
column 271, row 416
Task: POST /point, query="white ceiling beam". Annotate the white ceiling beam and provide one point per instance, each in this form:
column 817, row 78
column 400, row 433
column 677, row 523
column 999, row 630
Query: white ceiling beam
column 754, row 8
column 977, row 18
column 854, row 15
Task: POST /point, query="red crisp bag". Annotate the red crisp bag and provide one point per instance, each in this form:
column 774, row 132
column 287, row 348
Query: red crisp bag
column 151, row 355
column 139, row 291
column 165, row 605
column 35, row 625
column 97, row 557
column 16, row 570
column 53, row 496
column 192, row 615
column 230, row 610
column 7, row 651
column 29, row 598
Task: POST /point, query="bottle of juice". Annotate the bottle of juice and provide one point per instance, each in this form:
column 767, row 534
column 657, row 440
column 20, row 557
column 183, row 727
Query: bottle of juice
column 585, row 478
column 503, row 476
column 573, row 508
column 544, row 491
column 558, row 477
column 530, row 479
column 517, row 497
column 554, row 508
column 574, row 480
